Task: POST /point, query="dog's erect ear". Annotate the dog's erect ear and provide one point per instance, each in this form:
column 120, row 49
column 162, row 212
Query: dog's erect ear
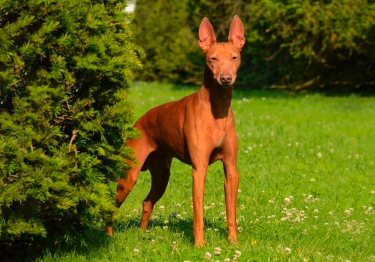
column 206, row 35
column 236, row 33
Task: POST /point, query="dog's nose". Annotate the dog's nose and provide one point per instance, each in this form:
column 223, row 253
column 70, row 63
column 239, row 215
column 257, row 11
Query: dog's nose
column 225, row 78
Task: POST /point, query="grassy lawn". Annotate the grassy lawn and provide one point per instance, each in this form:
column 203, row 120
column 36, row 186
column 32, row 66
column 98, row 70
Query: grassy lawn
column 307, row 186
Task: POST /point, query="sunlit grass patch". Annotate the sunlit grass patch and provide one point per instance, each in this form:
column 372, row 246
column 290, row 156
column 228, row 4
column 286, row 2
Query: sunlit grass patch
column 307, row 186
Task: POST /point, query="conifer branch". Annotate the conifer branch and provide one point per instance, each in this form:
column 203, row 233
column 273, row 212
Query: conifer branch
column 74, row 135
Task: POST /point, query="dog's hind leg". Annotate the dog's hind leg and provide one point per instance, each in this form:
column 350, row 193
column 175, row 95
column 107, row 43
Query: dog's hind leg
column 125, row 185
column 160, row 171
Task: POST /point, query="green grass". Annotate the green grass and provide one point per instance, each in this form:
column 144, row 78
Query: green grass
column 290, row 147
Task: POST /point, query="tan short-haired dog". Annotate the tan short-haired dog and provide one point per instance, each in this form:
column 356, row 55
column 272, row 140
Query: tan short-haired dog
column 198, row 130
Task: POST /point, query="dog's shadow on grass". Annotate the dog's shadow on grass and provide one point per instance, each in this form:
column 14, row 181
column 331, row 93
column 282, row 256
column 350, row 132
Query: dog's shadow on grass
column 184, row 226
column 95, row 238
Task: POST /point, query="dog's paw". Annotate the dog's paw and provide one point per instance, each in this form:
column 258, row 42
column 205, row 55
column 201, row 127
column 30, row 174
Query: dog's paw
column 108, row 231
column 200, row 244
column 233, row 240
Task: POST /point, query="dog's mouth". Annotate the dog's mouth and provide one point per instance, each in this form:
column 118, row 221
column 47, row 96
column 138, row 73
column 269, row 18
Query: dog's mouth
column 226, row 85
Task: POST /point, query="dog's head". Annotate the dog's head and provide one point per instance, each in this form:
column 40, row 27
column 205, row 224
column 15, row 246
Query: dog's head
column 223, row 59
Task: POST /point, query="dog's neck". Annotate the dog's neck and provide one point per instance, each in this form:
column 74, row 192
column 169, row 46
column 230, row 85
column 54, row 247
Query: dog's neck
column 217, row 96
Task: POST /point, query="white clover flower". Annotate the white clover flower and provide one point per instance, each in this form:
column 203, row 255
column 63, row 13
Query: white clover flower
column 179, row 216
column 319, row 155
column 369, row 211
column 287, row 200
column 240, row 229
column 332, row 151
column 287, row 250
column 162, row 208
column 237, row 254
column 227, row 260
column 313, row 180
column 136, row 251
column 165, row 227
column 178, row 205
column 135, row 211
column 297, row 144
column 242, row 207
column 372, row 192
column 166, row 221
column 217, row 250
column 207, row 255
column 316, row 211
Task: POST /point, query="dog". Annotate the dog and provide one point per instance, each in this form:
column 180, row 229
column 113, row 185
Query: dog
column 198, row 130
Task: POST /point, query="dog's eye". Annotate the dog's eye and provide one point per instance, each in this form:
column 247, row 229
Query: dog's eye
column 234, row 57
column 213, row 59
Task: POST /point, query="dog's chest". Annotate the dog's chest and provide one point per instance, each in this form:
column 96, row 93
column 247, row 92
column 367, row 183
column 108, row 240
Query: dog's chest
column 219, row 140
column 217, row 133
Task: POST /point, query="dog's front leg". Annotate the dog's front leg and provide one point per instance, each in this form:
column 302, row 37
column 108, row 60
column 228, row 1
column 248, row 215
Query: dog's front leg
column 199, row 176
column 230, row 150
column 231, row 188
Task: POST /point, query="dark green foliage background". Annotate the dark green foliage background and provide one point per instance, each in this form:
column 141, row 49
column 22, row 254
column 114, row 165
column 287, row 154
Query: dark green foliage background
column 65, row 67
column 295, row 45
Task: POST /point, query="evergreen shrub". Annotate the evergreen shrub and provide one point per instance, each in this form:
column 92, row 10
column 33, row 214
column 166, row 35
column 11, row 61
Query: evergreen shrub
column 65, row 69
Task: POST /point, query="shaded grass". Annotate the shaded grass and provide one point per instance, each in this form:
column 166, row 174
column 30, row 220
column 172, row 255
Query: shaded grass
column 290, row 147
